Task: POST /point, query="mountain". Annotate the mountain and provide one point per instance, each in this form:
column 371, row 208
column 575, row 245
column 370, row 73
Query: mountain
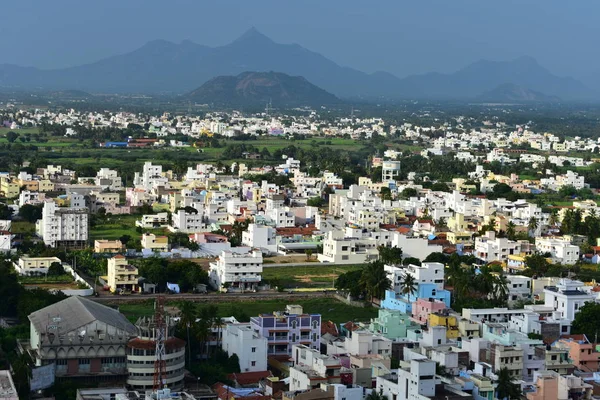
column 259, row 88
column 161, row 66
column 511, row 93
column 484, row 75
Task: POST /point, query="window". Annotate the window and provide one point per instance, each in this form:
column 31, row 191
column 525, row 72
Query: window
column 254, row 349
column 84, row 361
column 253, row 363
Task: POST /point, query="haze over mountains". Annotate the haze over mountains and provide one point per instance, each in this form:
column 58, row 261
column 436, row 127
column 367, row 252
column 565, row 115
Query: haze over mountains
column 166, row 67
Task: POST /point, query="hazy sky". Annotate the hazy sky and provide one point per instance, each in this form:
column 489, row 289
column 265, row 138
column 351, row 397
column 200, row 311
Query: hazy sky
column 399, row 36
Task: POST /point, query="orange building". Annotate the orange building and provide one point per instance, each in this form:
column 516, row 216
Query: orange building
column 582, row 353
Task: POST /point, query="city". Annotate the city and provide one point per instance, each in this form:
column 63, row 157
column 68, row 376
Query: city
column 254, row 221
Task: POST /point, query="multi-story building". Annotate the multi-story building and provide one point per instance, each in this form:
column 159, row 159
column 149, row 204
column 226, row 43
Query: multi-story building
column 519, row 288
column 153, row 242
column 141, row 356
column 352, row 246
column 416, row 380
column 414, row 246
column 391, row 324
column 582, row 353
column 551, row 385
column 64, row 226
column 153, row 221
column 247, row 344
column 85, row 340
column 236, row 271
column 188, row 222
column 108, row 179
column 422, row 308
column 122, row 276
column 561, row 250
column 567, row 297
column 262, row 237
column 287, row 328
column 489, row 248
column 311, row 368
column 9, row 188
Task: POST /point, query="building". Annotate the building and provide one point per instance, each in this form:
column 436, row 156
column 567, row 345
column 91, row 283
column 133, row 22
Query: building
column 390, row 170
column 188, row 222
column 153, row 221
column 352, row 246
column 551, row 385
column 391, row 324
column 283, row 329
column 416, row 380
column 122, row 277
column 86, row 340
column 35, row 265
column 310, row 369
column 261, row 237
column 582, row 352
column 155, row 243
column 489, row 248
column 108, row 246
column 64, row 226
column 519, row 288
column 561, row 250
column 8, row 390
column 141, row 355
column 236, row 271
column 567, row 297
column 414, row 246
column 248, row 344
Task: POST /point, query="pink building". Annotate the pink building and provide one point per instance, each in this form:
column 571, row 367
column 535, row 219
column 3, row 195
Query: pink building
column 582, row 353
column 423, row 307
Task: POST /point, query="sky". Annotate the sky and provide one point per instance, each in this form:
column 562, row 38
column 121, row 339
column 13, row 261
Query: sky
column 402, row 37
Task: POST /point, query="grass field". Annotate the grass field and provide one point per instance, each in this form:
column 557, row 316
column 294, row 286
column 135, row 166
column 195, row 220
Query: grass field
column 114, row 227
column 330, row 309
column 310, row 276
column 23, row 227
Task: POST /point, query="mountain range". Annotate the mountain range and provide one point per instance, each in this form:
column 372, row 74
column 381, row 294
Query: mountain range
column 165, row 67
column 259, row 88
column 511, row 93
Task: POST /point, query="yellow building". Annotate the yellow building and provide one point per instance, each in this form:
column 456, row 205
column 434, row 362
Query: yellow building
column 108, row 246
column 449, row 321
column 155, row 243
column 32, row 186
column 457, row 223
column 46, row 185
column 460, row 237
column 8, row 188
column 121, row 275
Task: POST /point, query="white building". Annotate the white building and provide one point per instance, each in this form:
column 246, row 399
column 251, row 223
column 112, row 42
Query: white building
column 414, row 246
column 63, row 226
column 188, row 222
column 250, row 347
column 567, row 297
column 352, row 246
column 519, row 288
column 151, row 177
column 109, row 179
column 153, row 221
column 236, row 271
column 561, row 250
column 35, row 265
column 390, row 170
column 417, row 381
column 262, row 237
column 489, row 248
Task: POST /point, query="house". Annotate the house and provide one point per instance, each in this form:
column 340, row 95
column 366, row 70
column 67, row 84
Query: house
column 188, row 222
column 248, row 344
column 519, row 288
column 414, row 246
column 283, row 329
column 561, row 250
column 582, row 353
column 35, row 265
column 153, row 221
column 310, row 369
column 122, row 276
column 352, row 246
column 262, row 237
column 108, row 246
column 567, row 297
column 391, row 324
column 64, row 226
column 490, row 248
column 85, row 340
column 155, row 243
column 551, row 385
column 237, row 271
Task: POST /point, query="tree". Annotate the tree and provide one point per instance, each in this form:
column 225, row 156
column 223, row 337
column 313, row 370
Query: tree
column 408, row 285
column 532, row 225
column 188, row 313
column 374, row 279
column 30, row 213
column 350, row 282
column 587, row 320
column 390, row 255
column 315, row 202
column 375, row 395
column 506, row 388
column 510, row 230
column 11, row 136
column 125, row 239
column 501, row 189
column 386, row 193
column 308, row 253
column 5, row 211
column 411, row 260
column 440, row 187
column 500, row 292
column 408, row 193
column 56, row 269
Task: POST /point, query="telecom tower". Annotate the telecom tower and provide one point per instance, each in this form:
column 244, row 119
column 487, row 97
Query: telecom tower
column 160, row 334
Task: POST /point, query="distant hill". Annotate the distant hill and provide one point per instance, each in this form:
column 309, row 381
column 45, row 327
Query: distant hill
column 259, row 88
column 165, row 67
column 511, row 93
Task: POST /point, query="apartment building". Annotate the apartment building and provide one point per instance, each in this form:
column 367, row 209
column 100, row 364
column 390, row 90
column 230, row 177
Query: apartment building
column 310, row 369
column 122, row 276
column 561, row 250
column 188, row 222
column 153, row 221
column 247, row 344
column 490, row 248
column 35, row 265
column 283, row 329
column 108, row 246
column 567, row 297
column 351, row 246
column 64, row 226
column 262, row 237
column 153, row 242
column 237, row 271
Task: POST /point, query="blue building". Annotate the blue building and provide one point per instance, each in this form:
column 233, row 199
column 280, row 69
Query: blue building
column 403, row 303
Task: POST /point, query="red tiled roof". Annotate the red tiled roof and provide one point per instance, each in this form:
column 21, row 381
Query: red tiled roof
column 248, row 378
column 329, row 327
column 351, row 326
column 403, row 230
column 290, row 231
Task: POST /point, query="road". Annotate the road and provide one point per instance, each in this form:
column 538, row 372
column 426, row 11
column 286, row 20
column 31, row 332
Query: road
column 213, row 297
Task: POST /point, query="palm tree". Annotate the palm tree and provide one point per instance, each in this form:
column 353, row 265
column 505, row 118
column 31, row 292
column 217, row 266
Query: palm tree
column 553, row 220
column 510, row 230
column 409, row 285
column 532, row 225
column 188, row 313
column 500, row 292
column 505, row 388
column 374, row 280
column 374, row 395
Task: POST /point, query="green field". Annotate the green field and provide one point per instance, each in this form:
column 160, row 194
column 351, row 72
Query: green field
column 114, row 227
column 330, row 309
column 309, row 276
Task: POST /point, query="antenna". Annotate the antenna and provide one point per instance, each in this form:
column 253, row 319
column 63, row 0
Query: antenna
column 160, row 370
